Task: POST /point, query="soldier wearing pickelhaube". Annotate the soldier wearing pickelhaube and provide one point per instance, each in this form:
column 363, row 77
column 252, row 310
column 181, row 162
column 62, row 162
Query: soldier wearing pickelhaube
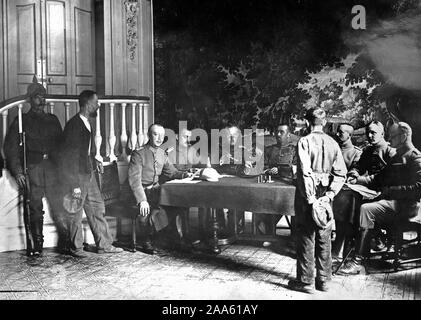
column 43, row 132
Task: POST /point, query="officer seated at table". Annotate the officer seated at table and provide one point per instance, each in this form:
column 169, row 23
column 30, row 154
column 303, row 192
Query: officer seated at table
column 147, row 164
column 233, row 161
column 185, row 158
column 278, row 160
column 346, row 204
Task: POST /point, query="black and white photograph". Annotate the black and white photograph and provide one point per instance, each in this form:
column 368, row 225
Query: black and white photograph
column 222, row 152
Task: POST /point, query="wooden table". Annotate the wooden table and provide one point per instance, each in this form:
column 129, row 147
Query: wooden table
column 243, row 194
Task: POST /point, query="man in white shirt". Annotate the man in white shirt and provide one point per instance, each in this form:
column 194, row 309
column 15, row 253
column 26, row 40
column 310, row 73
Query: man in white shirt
column 77, row 174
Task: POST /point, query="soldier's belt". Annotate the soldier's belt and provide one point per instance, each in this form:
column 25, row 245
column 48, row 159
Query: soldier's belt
column 321, row 179
column 150, row 186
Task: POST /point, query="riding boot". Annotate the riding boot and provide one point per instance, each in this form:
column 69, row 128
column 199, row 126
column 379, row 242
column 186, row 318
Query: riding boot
column 37, row 228
column 356, row 264
column 146, row 232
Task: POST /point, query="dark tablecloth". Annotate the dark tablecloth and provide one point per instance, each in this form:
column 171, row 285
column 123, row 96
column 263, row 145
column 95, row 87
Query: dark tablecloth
column 232, row 193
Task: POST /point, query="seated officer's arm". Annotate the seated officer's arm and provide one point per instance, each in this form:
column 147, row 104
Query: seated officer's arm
column 408, row 191
column 360, row 166
column 135, row 177
column 171, row 172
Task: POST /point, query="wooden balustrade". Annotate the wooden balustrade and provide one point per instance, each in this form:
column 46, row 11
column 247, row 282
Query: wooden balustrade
column 111, row 123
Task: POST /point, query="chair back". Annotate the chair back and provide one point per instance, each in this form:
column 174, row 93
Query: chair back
column 109, row 183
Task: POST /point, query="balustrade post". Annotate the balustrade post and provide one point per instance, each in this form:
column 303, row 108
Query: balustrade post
column 133, row 139
column 98, row 138
column 123, row 132
column 112, row 140
column 51, row 104
column 145, row 123
column 140, row 137
column 67, row 112
column 4, row 116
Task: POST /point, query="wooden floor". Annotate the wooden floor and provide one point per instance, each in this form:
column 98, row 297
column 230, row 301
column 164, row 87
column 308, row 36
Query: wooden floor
column 241, row 271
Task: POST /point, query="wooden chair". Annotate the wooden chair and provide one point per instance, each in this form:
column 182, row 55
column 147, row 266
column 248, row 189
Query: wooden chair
column 413, row 224
column 119, row 201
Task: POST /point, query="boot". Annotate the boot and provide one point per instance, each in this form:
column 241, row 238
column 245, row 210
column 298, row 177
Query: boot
column 379, row 244
column 147, row 244
column 29, row 248
column 355, row 266
column 37, row 228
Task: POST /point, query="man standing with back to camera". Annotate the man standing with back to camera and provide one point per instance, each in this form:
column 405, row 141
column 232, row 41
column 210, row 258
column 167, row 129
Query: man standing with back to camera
column 76, row 167
column 321, row 173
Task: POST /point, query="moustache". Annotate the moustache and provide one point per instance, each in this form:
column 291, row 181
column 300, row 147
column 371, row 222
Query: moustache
column 93, row 114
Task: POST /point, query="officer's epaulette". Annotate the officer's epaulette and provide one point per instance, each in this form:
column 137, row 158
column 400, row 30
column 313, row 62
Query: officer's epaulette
column 139, row 148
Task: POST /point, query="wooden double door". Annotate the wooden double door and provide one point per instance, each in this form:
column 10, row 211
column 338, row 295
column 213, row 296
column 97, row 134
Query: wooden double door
column 53, row 40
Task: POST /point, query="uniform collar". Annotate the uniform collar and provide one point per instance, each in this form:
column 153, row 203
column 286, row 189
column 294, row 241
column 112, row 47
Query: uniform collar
column 347, row 145
column 150, row 147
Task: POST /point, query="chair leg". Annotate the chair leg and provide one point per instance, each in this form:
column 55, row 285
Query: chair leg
column 398, row 249
column 419, row 233
column 253, row 224
column 118, row 228
column 187, row 222
column 274, row 222
column 342, row 262
column 133, row 244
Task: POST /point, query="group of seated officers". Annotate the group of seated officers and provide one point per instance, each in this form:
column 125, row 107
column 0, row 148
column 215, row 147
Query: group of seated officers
column 392, row 168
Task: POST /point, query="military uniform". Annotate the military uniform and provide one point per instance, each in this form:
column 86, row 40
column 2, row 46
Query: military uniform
column 43, row 132
column 351, row 154
column 147, row 164
column 347, row 202
column 321, row 171
column 184, row 158
column 402, row 178
column 373, row 159
column 282, row 157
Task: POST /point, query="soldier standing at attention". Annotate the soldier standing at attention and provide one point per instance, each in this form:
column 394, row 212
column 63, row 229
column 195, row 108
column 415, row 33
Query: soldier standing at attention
column 321, row 173
column 43, row 132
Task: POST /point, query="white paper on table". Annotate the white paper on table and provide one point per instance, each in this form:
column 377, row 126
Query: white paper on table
column 185, row 180
column 367, row 193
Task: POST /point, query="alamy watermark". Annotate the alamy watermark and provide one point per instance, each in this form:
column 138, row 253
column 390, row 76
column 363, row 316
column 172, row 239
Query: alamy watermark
column 225, row 146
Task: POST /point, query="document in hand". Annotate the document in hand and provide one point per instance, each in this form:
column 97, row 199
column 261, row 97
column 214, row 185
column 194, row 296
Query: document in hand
column 367, row 193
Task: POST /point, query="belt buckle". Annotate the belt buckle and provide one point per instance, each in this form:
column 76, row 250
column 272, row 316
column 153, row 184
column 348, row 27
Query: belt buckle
column 45, row 156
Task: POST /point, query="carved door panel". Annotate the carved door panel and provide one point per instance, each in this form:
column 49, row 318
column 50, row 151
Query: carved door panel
column 53, row 40
column 24, row 44
column 83, row 46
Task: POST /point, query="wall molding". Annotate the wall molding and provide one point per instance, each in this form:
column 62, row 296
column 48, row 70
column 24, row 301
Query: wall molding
column 132, row 8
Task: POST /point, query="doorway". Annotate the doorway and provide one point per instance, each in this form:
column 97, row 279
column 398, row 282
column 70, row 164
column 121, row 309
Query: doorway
column 53, row 40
